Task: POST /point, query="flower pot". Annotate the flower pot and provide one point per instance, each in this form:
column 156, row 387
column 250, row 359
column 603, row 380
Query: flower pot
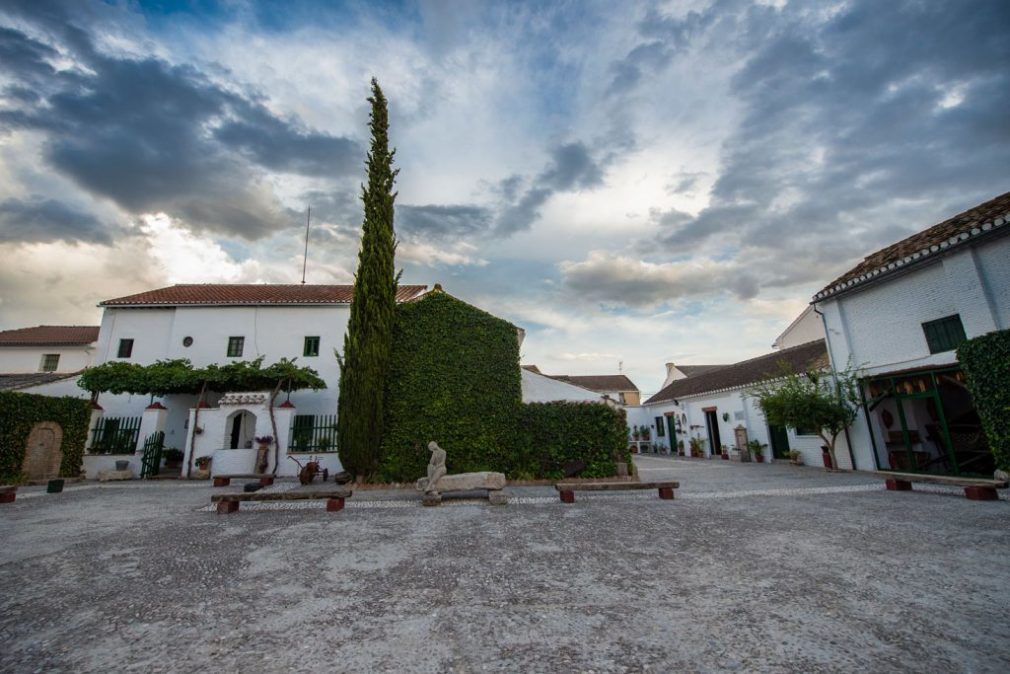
column 122, row 465
column 826, row 459
column 725, row 456
column 760, row 458
column 54, row 487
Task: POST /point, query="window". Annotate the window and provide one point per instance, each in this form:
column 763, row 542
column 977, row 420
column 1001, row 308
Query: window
column 125, row 348
column 944, row 334
column 235, row 346
column 805, row 431
column 50, row 361
column 660, row 431
column 311, row 346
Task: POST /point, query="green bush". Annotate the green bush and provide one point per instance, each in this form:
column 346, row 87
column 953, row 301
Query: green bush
column 986, row 364
column 20, row 411
column 553, row 434
column 455, row 379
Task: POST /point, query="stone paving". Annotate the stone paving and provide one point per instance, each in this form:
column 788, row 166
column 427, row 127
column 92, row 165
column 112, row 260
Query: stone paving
column 752, row 568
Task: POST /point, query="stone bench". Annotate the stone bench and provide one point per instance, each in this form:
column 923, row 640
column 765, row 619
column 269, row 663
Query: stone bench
column 567, row 489
column 976, row 489
column 8, row 494
column 491, row 482
column 228, row 503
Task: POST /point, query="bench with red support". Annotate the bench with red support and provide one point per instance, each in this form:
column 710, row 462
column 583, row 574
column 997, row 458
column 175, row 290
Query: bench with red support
column 567, row 489
column 228, row 503
column 976, row 489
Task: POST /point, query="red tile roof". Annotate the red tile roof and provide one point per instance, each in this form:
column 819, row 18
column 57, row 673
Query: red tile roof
column 216, row 294
column 796, row 358
column 15, row 382
column 987, row 219
column 695, row 370
column 50, row 335
column 601, row 383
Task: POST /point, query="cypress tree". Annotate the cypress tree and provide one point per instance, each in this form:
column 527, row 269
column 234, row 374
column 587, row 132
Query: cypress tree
column 368, row 342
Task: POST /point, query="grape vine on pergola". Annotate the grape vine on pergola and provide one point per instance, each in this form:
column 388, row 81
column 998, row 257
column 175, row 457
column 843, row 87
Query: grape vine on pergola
column 179, row 377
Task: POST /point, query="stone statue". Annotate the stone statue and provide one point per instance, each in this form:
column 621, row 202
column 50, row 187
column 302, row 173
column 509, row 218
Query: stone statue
column 436, row 470
column 438, row 481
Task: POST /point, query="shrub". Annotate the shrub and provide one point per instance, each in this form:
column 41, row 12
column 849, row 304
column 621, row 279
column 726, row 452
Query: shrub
column 986, row 364
column 20, row 411
column 556, row 433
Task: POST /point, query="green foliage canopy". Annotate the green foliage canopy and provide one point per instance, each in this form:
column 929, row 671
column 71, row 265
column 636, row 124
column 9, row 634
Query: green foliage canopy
column 817, row 399
column 368, row 342
column 20, row 411
column 553, row 434
column 986, row 363
column 167, row 377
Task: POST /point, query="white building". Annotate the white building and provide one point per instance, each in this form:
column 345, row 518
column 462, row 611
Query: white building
column 899, row 315
column 714, row 406
column 539, row 388
column 46, row 358
column 209, row 324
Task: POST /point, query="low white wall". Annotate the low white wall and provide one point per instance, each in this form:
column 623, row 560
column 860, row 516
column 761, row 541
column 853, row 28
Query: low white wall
column 93, row 463
column 231, row 461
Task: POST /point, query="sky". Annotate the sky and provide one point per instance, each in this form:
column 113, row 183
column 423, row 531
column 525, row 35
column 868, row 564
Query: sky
column 632, row 183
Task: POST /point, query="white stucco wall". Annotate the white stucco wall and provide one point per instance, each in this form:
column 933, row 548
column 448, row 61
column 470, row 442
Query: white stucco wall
column 807, row 327
column 24, row 359
column 538, row 388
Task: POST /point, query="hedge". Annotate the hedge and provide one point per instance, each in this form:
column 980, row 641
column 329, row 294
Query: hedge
column 986, row 364
column 20, row 411
column 556, row 433
column 455, row 379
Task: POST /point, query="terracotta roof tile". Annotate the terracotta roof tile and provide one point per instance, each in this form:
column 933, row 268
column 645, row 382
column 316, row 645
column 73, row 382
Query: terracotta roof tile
column 695, row 370
column 988, row 218
column 601, row 383
column 14, row 382
column 50, row 335
column 249, row 294
column 797, row 358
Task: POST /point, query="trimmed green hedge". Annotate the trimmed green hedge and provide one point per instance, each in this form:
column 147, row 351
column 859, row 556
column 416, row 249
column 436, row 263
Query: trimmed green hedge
column 986, row 364
column 20, row 411
column 454, row 379
column 553, row 434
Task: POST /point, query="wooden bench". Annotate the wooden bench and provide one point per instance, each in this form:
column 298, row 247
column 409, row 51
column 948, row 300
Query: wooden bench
column 228, row 503
column 224, row 480
column 976, row 489
column 567, row 489
column 8, row 494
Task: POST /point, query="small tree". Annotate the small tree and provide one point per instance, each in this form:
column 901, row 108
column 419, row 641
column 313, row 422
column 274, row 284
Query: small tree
column 820, row 400
column 368, row 342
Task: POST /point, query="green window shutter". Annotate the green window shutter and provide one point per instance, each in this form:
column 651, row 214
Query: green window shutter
column 944, row 334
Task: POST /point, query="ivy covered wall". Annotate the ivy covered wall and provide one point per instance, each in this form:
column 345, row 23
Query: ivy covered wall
column 454, row 379
column 20, row 411
column 986, row 363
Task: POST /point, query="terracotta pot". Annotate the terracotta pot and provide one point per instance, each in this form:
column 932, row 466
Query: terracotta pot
column 760, row 458
column 826, row 458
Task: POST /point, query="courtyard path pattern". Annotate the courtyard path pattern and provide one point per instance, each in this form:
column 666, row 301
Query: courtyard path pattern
column 751, row 568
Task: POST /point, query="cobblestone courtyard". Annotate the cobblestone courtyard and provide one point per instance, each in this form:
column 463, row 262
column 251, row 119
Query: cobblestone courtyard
column 752, row 568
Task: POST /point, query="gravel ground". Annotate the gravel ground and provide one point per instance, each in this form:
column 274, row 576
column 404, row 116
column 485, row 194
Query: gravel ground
column 752, row 568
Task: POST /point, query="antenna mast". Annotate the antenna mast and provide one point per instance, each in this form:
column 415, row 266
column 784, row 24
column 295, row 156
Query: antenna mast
column 305, row 257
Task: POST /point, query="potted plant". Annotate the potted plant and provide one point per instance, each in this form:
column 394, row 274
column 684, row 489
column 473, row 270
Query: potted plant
column 795, row 457
column 697, row 447
column 202, row 462
column 680, row 448
column 724, row 451
column 173, row 457
column 758, row 449
column 635, row 433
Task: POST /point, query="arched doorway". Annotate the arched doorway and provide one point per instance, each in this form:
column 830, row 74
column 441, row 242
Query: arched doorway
column 43, row 453
column 240, row 429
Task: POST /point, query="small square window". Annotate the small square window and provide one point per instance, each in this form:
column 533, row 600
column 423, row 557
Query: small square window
column 125, row 348
column 944, row 334
column 235, row 346
column 311, row 346
column 50, row 361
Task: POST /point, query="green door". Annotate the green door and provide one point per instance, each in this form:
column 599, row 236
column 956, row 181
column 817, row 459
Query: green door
column 780, row 441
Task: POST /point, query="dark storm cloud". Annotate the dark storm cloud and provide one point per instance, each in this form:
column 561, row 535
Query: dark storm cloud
column 448, row 222
column 851, row 123
column 42, row 220
column 571, row 168
column 140, row 133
